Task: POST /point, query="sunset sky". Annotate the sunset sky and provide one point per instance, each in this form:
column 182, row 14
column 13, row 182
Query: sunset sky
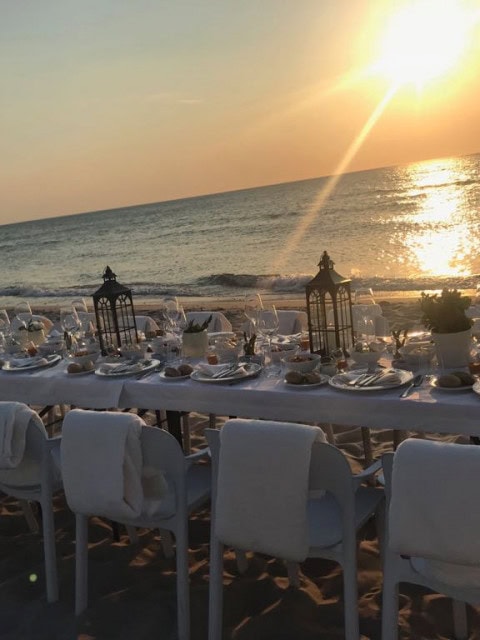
column 108, row 103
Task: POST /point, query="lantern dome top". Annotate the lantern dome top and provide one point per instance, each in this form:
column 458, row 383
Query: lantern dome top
column 327, row 276
column 110, row 287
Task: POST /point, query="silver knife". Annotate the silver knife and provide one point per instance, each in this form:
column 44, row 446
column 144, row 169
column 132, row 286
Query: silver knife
column 416, row 382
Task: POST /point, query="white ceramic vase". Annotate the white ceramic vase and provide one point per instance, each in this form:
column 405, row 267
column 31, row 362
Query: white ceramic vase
column 452, row 349
column 194, row 345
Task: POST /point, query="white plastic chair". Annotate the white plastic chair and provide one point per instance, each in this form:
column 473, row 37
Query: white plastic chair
column 409, row 557
column 337, row 508
column 35, row 478
column 176, row 488
column 219, row 321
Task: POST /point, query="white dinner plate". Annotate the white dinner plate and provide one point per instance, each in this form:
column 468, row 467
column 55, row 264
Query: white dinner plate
column 220, row 334
column 341, row 381
column 464, row 387
column 134, row 369
column 173, row 378
column 252, row 369
column 31, row 364
column 323, row 380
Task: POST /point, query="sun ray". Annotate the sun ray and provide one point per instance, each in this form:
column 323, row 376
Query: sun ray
column 324, row 194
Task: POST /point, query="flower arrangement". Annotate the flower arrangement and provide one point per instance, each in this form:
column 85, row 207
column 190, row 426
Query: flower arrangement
column 249, row 345
column 445, row 313
column 194, row 327
column 33, row 325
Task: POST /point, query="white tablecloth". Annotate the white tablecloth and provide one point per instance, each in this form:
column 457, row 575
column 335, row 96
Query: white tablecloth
column 426, row 409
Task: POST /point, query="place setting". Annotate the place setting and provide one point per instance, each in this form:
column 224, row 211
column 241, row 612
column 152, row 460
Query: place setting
column 227, row 373
column 30, row 363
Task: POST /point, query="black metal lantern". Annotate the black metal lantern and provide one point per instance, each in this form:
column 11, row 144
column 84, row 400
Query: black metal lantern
column 329, row 309
column 114, row 313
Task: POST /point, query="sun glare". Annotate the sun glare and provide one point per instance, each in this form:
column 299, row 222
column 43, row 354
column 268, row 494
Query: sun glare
column 423, row 41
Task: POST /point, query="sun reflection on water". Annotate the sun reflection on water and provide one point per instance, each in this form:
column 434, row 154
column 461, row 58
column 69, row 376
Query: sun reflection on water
column 439, row 239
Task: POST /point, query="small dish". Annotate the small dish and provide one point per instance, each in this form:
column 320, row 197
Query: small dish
column 166, row 378
column 463, row 387
column 323, row 380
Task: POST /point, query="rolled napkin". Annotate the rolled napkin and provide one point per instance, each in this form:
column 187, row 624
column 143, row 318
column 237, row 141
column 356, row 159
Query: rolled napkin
column 212, row 370
column 263, row 486
column 102, row 461
column 109, row 368
column 20, row 363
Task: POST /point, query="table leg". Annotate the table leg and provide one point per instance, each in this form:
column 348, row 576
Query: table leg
column 174, row 421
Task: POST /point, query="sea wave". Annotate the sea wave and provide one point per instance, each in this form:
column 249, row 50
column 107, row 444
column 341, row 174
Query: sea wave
column 231, row 284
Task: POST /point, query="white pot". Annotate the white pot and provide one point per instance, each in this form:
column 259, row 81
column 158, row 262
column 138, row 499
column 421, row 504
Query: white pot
column 452, row 348
column 194, row 345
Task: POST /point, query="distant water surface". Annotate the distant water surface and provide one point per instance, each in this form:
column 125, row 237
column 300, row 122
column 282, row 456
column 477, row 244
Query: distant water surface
column 401, row 229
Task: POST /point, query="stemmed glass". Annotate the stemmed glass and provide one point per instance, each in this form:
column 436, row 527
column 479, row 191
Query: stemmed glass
column 23, row 313
column 4, row 322
column 268, row 324
column 70, row 323
column 253, row 305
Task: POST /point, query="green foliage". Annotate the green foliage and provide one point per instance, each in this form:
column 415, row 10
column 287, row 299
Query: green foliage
column 249, row 345
column 194, row 327
column 445, row 313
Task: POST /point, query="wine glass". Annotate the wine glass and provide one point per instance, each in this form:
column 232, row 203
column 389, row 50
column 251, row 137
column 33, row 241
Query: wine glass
column 23, row 313
column 170, row 311
column 364, row 296
column 252, row 307
column 268, row 324
column 4, row 322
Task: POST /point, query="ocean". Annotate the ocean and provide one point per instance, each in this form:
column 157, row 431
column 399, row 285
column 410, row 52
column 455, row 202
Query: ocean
column 399, row 230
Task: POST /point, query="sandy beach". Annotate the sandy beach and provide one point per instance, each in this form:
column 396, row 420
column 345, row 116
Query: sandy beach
column 132, row 586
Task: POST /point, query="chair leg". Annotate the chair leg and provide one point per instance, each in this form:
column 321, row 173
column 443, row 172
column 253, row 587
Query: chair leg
column 48, row 527
column 350, row 595
column 215, row 598
column 167, row 543
column 187, row 443
column 242, row 562
column 293, row 574
column 460, row 627
column 132, row 533
column 183, row 588
column 329, row 433
column 81, row 563
column 367, row 446
column 29, row 516
column 389, row 606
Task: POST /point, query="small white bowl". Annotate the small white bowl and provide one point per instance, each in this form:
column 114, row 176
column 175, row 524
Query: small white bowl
column 81, row 360
column 366, row 358
column 302, row 362
column 417, row 353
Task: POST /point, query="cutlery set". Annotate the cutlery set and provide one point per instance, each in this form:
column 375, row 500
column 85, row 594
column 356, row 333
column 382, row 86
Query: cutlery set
column 368, row 379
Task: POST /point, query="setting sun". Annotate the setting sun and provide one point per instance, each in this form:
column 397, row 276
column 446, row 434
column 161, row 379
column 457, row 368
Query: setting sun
column 424, row 40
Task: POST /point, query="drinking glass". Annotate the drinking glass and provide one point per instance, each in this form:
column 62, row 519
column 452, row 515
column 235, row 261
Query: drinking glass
column 340, row 360
column 170, row 310
column 23, row 312
column 252, row 307
column 5, row 328
column 364, row 296
column 69, row 320
column 268, row 324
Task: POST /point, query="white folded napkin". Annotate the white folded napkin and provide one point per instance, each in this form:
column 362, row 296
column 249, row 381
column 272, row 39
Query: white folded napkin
column 120, row 367
column 211, row 369
column 19, row 363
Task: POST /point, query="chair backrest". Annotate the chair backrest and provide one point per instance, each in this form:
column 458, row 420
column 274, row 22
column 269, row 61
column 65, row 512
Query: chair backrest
column 28, row 472
column 219, row 321
column 112, row 462
column 327, row 470
column 433, row 488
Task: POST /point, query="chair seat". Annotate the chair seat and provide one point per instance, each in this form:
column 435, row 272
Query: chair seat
column 163, row 505
column 328, row 510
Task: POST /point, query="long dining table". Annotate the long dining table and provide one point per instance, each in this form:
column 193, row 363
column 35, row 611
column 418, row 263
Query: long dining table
column 427, row 409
